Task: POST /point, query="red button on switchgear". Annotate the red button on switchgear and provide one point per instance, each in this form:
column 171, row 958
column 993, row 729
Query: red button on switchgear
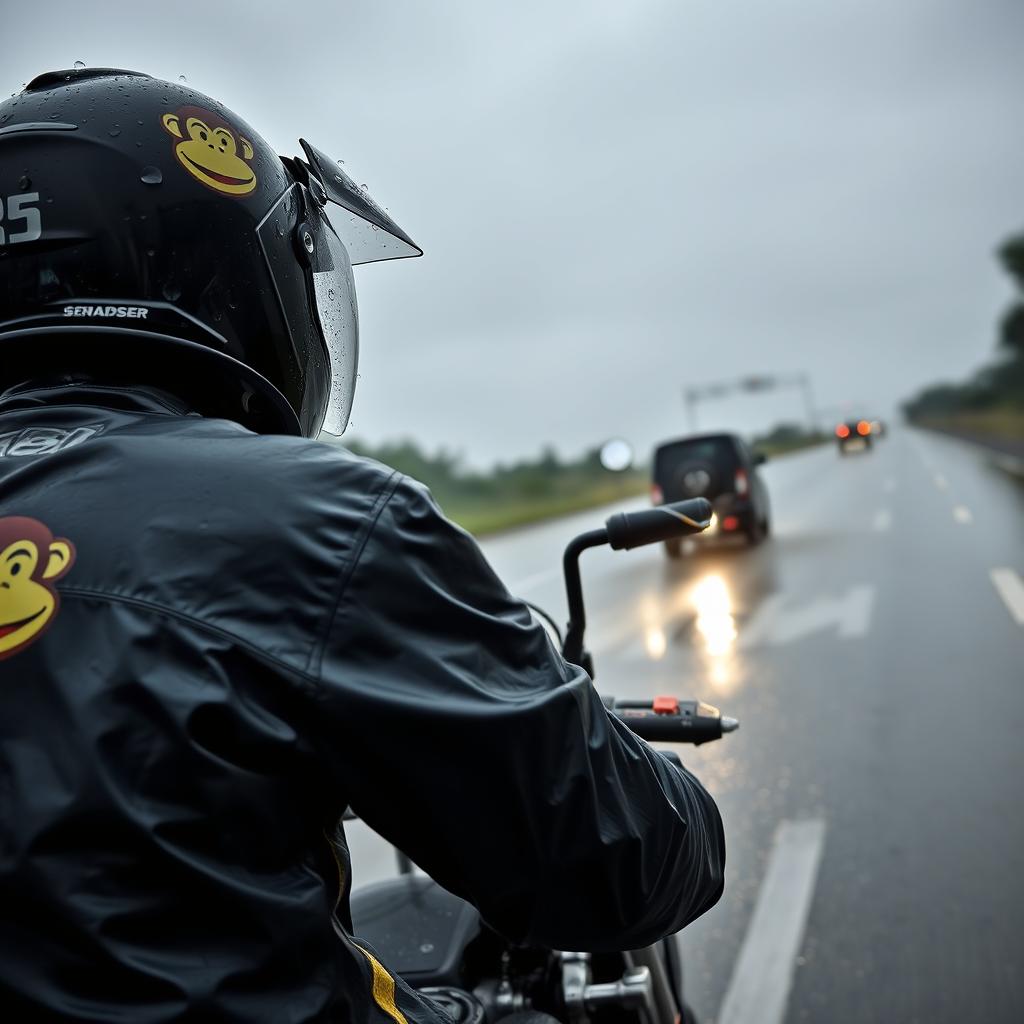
column 666, row 705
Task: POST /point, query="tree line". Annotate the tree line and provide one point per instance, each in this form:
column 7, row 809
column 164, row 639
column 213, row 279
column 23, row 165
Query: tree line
column 999, row 386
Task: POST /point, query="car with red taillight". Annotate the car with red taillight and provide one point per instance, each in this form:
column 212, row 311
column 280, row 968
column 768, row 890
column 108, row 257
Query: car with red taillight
column 853, row 435
column 721, row 468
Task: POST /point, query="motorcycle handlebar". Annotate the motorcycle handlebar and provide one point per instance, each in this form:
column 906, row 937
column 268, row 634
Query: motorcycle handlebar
column 634, row 529
column 670, row 720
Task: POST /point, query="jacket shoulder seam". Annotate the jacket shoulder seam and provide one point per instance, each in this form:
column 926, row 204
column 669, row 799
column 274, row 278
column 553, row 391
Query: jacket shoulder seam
column 160, row 609
column 316, row 657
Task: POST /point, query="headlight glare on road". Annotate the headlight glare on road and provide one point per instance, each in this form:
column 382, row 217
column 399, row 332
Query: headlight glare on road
column 715, row 621
column 655, row 642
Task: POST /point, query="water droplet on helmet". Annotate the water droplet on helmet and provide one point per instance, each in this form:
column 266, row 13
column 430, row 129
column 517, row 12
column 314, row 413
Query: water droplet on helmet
column 151, row 175
column 364, row 186
column 151, row 252
column 330, row 294
column 182, row 78
column 24, row 182
column 171, row 292
column 342, row 162
column 79, row 65
column 114, row 131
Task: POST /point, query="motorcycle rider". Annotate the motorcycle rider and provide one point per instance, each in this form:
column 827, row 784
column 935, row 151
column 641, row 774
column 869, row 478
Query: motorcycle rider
column 216, row 633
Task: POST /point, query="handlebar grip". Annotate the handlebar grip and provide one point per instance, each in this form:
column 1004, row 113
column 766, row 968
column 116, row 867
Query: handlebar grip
column 634, row 529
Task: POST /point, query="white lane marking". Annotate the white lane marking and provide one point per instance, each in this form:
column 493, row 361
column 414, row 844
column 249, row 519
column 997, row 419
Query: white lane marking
column 763, row 975
column 941, row 482
column 774, row 623
column 529, row 582
column 1011, row 589
column 883, row 519
column 962, row 514
column 889, row 486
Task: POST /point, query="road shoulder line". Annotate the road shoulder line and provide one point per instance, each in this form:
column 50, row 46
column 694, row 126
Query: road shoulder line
column 763, row 975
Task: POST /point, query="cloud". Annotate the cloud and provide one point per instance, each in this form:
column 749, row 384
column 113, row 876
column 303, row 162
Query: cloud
column 615, row 199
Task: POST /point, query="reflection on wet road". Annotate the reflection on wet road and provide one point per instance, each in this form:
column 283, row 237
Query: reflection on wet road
column 872, row 649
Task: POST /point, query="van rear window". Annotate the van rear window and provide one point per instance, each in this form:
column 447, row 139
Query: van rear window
column 718, row 451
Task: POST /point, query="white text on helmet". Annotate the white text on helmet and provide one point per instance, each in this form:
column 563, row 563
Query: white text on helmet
column 135, row 312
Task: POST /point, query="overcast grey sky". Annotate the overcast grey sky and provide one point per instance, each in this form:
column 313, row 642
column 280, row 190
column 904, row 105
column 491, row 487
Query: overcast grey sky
column 617, row 199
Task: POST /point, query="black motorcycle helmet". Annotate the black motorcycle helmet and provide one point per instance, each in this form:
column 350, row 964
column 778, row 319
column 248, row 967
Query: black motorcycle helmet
column 149, row 236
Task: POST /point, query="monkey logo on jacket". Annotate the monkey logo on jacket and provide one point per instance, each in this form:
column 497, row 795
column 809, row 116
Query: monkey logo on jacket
column 31, row 562
column 211, row 150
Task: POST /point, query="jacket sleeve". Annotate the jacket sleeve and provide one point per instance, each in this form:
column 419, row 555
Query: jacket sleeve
column 460, row 735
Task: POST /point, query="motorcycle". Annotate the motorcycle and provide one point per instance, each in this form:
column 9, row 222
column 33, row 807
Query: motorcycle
column 439, row 944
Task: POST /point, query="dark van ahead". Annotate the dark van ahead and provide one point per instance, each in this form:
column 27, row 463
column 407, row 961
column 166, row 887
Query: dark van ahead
column 721, row 468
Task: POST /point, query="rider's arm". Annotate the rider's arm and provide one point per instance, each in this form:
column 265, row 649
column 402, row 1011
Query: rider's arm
column 458, row 733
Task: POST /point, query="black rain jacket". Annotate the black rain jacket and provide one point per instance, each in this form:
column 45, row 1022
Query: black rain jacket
column 211, row 643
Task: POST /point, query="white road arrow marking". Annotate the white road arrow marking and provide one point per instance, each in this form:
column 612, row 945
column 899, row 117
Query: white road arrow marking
column 774, row 623
column 1011, row 589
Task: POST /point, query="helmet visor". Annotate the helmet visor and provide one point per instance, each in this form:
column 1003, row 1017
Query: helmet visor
column 317, row 299
column 334, row 294
column 366, row 229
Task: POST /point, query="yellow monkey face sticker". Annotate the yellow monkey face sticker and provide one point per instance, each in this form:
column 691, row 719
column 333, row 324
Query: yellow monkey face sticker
column 31, row 562
column 211, row 150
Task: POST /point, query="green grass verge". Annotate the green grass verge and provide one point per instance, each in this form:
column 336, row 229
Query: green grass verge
column 994, row 423
column 485, row 518
column 773, row 449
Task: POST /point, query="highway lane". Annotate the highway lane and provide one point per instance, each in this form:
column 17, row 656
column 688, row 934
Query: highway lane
column 872, row 795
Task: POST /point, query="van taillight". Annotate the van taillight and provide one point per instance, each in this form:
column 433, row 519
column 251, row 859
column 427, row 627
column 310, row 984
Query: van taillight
column 657, row 498
column 742, row 486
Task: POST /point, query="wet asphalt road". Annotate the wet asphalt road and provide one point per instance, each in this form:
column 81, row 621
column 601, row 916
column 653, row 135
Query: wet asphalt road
column 878, row 673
